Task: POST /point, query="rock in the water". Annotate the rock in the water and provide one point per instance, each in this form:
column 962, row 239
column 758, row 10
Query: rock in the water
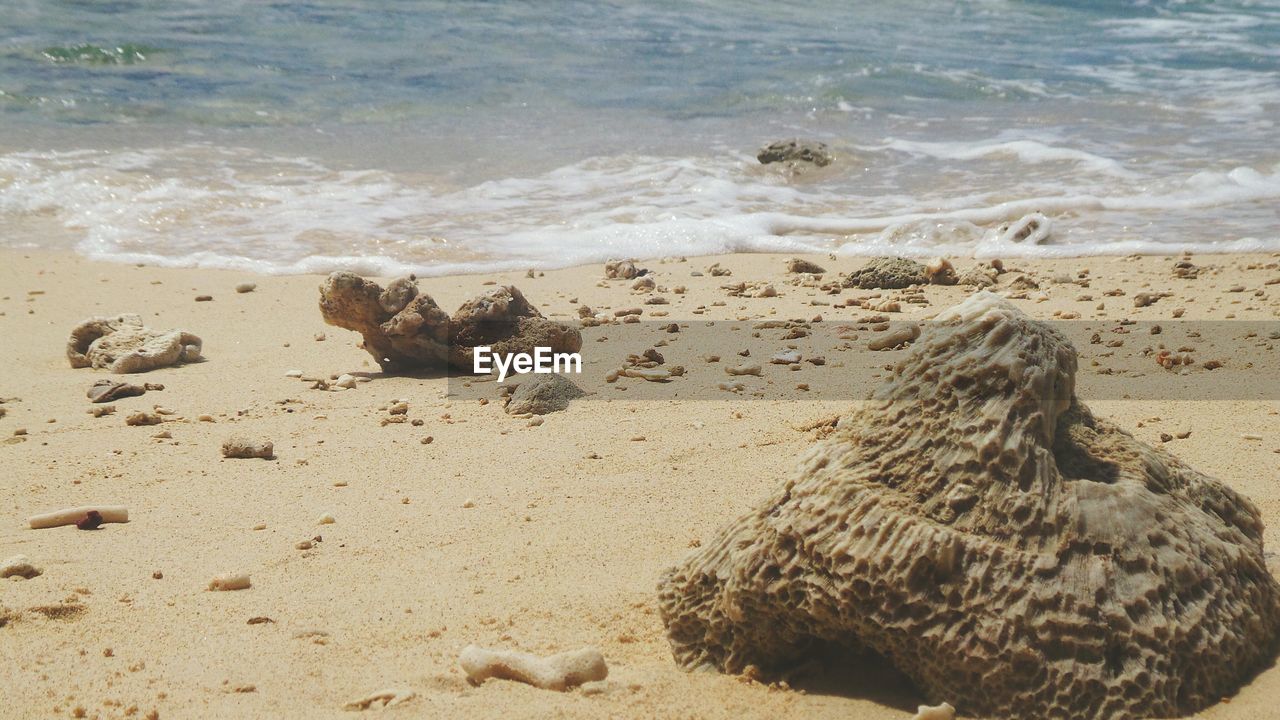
column 795, row 150
column 542, row 394
column 404, row 329
column 556, row 672
column 242, row 447
column 800, row 265
column 887, row 273
column 122, row 344
column 108, row 390
column 983, row 532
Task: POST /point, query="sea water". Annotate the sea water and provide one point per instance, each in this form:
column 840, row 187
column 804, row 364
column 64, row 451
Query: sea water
column 388, row 136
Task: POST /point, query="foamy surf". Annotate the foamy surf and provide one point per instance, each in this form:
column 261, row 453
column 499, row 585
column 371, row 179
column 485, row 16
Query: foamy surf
column 202, row 205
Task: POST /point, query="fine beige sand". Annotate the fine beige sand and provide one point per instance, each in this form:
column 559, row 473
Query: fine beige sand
column 542, row 538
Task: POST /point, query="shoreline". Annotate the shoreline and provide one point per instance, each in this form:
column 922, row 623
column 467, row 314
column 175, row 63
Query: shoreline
column 543, row 538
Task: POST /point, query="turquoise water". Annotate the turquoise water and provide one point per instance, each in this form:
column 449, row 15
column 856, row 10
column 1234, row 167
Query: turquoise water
column 433, row 136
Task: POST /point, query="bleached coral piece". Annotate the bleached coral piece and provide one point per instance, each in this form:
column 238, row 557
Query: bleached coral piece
column 555, row 672
column 979, row 528
column 122, row 344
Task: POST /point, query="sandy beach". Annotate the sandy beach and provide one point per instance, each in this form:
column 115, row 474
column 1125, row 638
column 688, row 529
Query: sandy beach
column 497, row 531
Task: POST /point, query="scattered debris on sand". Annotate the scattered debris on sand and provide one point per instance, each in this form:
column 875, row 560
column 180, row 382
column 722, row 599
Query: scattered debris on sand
column 403, row 329
column 539, row 394
column 556, row 672
column 123, row 345
column 976, row 491
column 71, row 516
column 239, row 446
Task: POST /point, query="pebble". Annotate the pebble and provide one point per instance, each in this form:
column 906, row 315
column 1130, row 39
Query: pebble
column 346, row 381
column 745, row 370
column 325, row 519
column 790, row 357
column 293, row 374
column 204, row 298
column 246, row 287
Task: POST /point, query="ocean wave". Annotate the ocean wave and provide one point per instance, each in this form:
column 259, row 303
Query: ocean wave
column 209, row 206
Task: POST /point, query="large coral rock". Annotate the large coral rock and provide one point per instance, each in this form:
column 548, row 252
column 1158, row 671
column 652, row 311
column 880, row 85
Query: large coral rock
column 887, row 273
column 1009, row 552
column 403, row 328
column 122, row 344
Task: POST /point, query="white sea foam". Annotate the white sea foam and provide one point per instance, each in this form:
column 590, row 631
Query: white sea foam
column 209, row 206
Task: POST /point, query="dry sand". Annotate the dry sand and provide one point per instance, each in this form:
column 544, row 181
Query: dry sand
column 539, row 538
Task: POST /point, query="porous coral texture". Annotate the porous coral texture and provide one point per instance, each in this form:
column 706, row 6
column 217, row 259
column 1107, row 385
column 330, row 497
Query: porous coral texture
column 122, row 344
column 980, row 529
column 404, row 329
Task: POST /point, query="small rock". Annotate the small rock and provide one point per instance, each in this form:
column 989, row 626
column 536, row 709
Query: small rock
column 623, row 270
column 143, row 418
column 540, row 394
column 230, row 581
column 887, row 273
column 204, row 298
column 241, row 447
column 325, row 519
column 557, row 672
column 744, row 370
column 800, row 265
column 106, row 390
column 246, row 287
column 935, row 712
column 345, row 381
column 894, row 338
column 795, row 150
